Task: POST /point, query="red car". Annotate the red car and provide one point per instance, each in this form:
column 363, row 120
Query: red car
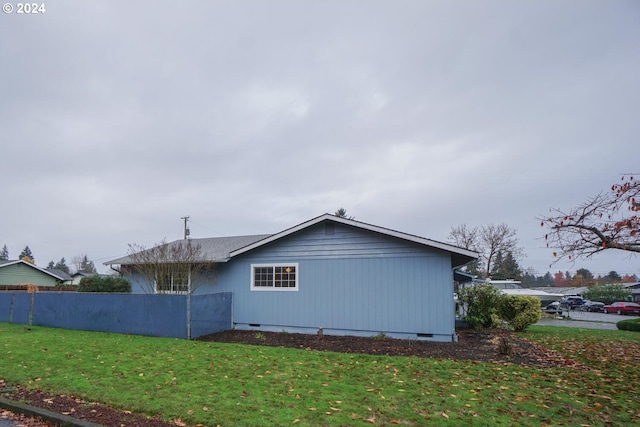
column 623, row 308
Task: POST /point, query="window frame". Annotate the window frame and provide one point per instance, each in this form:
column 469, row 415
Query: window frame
column 273, row 266
column 172, row 284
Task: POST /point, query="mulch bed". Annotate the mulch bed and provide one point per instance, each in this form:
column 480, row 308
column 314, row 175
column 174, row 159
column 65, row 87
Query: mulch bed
column 495, row 346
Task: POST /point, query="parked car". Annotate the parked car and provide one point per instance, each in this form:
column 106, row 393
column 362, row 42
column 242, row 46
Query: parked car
column 553, row 307
column 623, row 307
column 571, row 303
column 594, row 306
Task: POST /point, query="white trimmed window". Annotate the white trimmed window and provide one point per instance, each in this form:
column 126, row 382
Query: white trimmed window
column 274, row 277
column 173, row 282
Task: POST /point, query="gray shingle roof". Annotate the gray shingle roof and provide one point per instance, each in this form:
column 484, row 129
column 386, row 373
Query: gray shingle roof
column 214, row 249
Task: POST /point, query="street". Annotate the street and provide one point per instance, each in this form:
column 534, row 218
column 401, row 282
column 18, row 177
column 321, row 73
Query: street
column 584, row 319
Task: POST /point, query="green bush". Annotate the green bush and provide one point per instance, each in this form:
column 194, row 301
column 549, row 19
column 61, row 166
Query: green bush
column 629, row 325
column 480, row 303
column 104, row 284
column 519, row 311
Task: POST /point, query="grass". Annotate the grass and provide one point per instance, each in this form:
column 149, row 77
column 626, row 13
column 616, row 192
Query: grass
column 232, row 384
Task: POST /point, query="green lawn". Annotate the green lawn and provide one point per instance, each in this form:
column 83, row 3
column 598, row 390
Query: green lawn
column 231, row 384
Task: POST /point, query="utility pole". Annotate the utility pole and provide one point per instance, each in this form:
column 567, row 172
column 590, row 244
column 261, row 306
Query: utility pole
column 186, row 229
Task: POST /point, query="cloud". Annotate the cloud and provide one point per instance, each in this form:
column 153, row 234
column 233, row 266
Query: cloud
column 119, row 118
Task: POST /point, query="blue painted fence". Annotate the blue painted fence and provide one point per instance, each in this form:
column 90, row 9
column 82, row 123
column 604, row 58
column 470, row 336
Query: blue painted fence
column 151, row 315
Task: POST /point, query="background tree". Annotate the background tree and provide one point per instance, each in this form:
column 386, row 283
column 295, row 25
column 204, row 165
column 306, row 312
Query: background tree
column 4, row 253
column 83, row 265
column 610, row 220
column 467, row 238
column 51, row 265
column 26, row 253
column 583, row 277
column 62, row 266
column 487, row 240
column 560, row 280
column 342, row 213
column 613, row 276
column 506, row 267
column 546, row 280
column 167, row 265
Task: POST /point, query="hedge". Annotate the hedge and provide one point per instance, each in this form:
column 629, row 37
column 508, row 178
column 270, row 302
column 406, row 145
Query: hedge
column 104, row 284
column 629, row 325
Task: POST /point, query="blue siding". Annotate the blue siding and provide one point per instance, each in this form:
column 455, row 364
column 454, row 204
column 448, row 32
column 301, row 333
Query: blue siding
column 350, row 281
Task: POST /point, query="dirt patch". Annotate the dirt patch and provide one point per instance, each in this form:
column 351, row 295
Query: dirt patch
column 494, row 346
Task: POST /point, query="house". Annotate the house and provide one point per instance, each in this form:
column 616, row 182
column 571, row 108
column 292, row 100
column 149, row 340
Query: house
column 79, row 275
column 66, row 278
column 19, row 271
column 329, row 275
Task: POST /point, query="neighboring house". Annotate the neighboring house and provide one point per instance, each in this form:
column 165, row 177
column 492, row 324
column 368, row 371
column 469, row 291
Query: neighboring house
column 634, row 287
column 514, row 287
column 79, row 275
column 66, row 279
column 20, row 271
column 331, row 275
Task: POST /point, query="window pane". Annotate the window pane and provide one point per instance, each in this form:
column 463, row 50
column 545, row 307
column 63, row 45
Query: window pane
column 163, row 282
column 180, row 282
column 262, row 276
column 285, row 277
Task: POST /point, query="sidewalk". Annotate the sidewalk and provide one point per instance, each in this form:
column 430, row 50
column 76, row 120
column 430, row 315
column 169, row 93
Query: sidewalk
column 575, row 323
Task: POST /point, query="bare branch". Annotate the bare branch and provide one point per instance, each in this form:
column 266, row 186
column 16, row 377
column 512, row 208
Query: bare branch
column 607, row 221
column 164, row 265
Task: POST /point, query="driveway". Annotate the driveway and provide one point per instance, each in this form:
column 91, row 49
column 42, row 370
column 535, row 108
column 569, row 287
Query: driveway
column 584, row 319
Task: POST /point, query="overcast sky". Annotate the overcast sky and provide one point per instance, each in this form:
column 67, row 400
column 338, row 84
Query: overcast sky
column 117, row 118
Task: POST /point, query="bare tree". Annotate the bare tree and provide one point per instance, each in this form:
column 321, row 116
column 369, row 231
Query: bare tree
column 83, row 264
column 498, row 238
column 172, row 268
column 488, row 241
column 464, row 237
column 610, row 220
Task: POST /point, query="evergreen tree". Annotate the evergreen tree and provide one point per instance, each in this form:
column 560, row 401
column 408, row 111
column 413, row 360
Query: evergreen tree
column 26, row 253
column 613, row 276
column 497, row 264
column 506, row 267
column 62, row 266
column 546, row 280
column 342, row 213
column 4, row 253
column 83, row 265
column 51, row 265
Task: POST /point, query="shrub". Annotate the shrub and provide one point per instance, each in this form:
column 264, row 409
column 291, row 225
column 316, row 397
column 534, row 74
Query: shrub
column 481, row 305
column 104, row 284
column 629, row 325
column 519, row 311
